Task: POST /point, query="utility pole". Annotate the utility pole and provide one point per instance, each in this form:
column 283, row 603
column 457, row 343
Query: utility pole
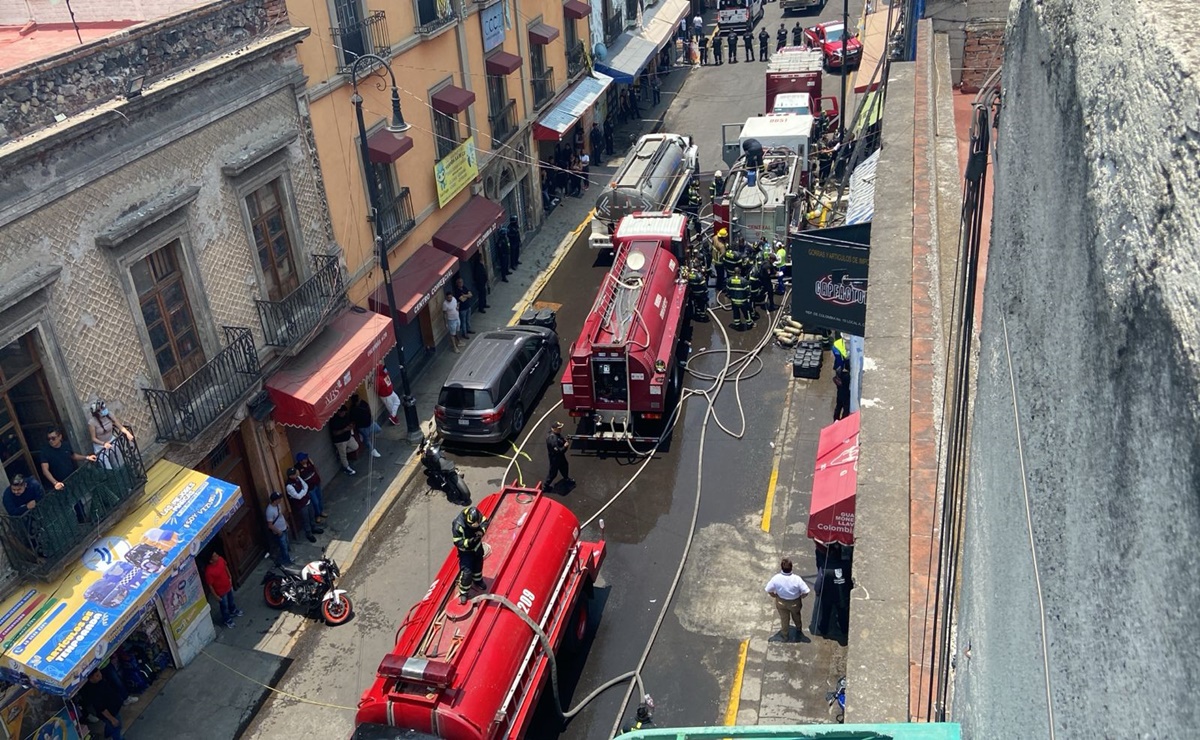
column 845, row 63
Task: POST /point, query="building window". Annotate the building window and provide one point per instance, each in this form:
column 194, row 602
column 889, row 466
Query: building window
column 395, row 206
column 350, row 39
column 446, row 130
column 167, row 314
column 275, row 254
column 27, row 411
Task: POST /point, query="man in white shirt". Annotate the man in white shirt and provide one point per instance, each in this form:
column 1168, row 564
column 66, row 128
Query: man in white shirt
column 788, row 590
column 697, row 26
column 277, row 523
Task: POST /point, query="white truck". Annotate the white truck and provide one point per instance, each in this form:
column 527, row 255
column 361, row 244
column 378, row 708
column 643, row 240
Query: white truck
column 654, row 177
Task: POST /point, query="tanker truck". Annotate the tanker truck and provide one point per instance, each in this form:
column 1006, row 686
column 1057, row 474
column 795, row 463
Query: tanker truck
column 654, row 177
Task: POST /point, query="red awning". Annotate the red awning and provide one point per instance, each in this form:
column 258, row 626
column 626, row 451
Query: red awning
column 451, row 100
column 385, row 147
column 415, row 283
column 311, row 387
column 541, row 34
column 467, row 229
column 831, row 514
column 502, row 63
column 577, row 10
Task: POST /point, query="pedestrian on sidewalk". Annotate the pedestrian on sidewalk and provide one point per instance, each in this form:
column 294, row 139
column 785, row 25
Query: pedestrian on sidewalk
column 103, row 698
column 220, row 584
column 341, row 430
column 364, row 423
column 556, row 448
column 698, row 25
column 514, row 241
column 312, row 478
column 703, row 51
column 502, row 248
column 585, row 162
column 683, row 29
column 466, row 301
column 596, row 139
column 655, row 89
column 297, row 491
column 608, row 135
column 788, row 590
column 718, row 45
column 479, row 272
column 453, row 325
column 576, row 177
column 387, row 394
column 277, row 523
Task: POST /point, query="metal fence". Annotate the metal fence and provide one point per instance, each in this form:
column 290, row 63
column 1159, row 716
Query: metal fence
column 287, row 321
column 543, row 87
column 366, row 36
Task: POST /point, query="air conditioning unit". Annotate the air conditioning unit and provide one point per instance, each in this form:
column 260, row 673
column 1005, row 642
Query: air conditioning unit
column 477, row 187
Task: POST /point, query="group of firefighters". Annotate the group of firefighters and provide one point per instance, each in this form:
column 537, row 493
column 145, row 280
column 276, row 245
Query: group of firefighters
column 750, row 273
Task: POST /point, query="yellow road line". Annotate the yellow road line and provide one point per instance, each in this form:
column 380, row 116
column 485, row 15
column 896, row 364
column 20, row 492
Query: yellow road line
column 766, row 517
column 540, row 280
column 735, row 691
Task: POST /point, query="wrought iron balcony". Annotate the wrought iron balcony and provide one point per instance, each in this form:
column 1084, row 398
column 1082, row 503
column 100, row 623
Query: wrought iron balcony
column 576, row 59
column 543, row 87
column 504, row 122
column 437, row 22
column 614, row 26
column 367, row 36
column 285, row 323
column 53, row 533
column 183, row 414
column 396, row 218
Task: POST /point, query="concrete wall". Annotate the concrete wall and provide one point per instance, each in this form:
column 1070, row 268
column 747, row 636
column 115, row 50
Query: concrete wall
column 952, row 17
column 18, row 12
column 1093, row 266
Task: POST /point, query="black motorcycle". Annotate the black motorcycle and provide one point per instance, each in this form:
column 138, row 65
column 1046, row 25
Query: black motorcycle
column 310, row 586
column 441, row 474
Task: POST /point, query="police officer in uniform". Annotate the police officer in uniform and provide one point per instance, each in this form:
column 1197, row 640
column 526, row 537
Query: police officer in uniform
column 764, row 39
column 502, row 253
column 703, row 42
column 718, row 45
column 797, row 34
column 748, row 44
column 781, row 37
column 514, row 242
column 733, row 57
column 738, row 297
column 467, row 530
column 698, row 291
column 556, row 447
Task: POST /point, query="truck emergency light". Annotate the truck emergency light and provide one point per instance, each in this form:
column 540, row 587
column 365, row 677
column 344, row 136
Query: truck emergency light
column 416, row 670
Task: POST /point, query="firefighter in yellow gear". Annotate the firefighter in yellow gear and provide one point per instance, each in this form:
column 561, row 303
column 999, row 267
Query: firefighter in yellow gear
column 718, row 256
column 467, row 530
column 739, row 297
column 698, row 292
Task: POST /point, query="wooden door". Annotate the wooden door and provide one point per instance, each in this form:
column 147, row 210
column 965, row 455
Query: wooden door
column 240, row 540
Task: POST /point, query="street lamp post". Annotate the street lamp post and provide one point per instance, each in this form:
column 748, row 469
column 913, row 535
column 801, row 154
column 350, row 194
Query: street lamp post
column 396, row 125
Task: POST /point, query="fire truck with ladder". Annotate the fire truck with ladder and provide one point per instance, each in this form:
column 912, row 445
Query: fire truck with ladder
column 623, row 372
column 476, row 671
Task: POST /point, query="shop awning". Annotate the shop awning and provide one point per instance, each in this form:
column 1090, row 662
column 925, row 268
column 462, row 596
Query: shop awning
column 55, row 634
column 311, row 387
column 860, row 207
column 831, row 514
column 502, row 63
column 385, row 147
column 466, row 230
column 629, row 56
column 567, row 111
column 576, row 10
column 541, row 34
column 451, row 100
column 415, row 283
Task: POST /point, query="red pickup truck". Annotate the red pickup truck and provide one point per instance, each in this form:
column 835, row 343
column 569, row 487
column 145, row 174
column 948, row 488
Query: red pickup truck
column 830, row 38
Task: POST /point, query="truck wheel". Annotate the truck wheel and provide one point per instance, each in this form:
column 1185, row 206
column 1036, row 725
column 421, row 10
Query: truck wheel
column 577, row 630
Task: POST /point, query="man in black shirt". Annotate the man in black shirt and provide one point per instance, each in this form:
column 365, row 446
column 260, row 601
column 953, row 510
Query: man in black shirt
column 104, row 699
column 59, row 460
column 341, row 429
column 596, row 139
column 514, row 240
column 556, row 447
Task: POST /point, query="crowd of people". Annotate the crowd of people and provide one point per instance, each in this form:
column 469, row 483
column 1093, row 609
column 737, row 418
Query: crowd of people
column 725, row 44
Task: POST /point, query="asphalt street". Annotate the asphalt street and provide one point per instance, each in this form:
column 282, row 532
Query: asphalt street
column 720, row 602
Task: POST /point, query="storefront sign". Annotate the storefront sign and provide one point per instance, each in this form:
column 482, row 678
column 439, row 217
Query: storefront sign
column 455, row 171
column 829, row 277
column 492, row 21
column 55, row 633
column 187, row 611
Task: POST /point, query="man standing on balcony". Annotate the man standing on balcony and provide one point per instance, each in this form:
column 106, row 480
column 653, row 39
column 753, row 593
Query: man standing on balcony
column 22, row 495
column 59, row 460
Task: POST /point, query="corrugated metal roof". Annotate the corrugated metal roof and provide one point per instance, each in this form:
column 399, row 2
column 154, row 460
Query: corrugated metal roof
column 629, row 56
column 861, row 206
column 564, row 115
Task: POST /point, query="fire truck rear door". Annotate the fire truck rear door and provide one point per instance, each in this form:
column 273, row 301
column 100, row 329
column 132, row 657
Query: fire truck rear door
column 731, row 147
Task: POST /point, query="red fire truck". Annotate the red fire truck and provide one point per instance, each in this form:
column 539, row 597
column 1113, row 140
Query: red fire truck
column 623, row 371
column 476, row 671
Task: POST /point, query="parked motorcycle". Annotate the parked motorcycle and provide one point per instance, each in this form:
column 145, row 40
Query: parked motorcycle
column 441, row 474
column 837, row 701
column 310, row 586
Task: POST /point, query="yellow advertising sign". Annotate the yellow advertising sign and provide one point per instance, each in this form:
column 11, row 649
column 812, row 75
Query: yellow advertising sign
column 455, row 171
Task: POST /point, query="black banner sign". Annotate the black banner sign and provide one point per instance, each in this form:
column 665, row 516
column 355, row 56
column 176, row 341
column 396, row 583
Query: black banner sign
column 829, row 277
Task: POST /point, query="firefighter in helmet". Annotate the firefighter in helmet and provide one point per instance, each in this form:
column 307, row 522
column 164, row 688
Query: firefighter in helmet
column 698, row 291
column 468, row 529
column 644, row 719
column 718, row 252
column 757, row 293
column 717, row 188
column 740, row 299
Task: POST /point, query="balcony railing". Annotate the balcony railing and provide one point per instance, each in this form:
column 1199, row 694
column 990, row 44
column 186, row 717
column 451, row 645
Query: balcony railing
column 183, row 414
column 45, row 538
column 368, row 36
column 614, row 26
column 396, row 218
column 543, row 87
column 285, row 323
column 437, row 23
column 576, row 59
column 504, row 122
